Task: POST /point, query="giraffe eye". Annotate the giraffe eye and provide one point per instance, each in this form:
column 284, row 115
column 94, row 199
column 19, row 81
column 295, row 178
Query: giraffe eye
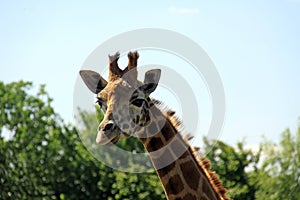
column 138, row 102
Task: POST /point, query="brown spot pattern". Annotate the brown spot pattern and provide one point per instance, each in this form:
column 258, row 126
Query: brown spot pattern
column 189, row 197
column 163, row 159
column 168, row 132
column 174, row 185
column 154, row 144
column 192, row 177
column 165, row 170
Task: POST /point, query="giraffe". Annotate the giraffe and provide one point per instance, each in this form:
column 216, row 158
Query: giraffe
column 129, row 110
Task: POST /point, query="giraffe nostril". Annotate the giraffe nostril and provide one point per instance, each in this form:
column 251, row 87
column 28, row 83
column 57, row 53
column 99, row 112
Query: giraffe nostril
column 108, row 127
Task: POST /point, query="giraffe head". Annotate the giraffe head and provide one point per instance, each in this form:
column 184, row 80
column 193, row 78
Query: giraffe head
column 124, row 100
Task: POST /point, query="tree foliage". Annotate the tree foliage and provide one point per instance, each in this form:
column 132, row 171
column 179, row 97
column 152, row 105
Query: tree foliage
column 279, row 177
column 236, row 167
column 45, row 158
column 271, row 173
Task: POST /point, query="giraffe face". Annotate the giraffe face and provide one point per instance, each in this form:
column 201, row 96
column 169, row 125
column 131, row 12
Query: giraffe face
column 124, row 100
column 126, row 109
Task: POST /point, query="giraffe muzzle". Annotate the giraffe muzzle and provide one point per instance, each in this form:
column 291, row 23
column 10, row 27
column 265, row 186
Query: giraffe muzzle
column 107, row 134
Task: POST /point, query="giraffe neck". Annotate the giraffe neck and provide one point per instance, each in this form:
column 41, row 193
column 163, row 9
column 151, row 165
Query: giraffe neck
column 182, row 175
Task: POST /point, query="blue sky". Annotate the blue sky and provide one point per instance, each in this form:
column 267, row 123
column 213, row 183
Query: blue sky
column 255, row 46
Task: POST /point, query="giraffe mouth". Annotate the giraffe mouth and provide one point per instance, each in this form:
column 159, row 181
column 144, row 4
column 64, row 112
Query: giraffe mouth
column 115, row 140
column 103, row 139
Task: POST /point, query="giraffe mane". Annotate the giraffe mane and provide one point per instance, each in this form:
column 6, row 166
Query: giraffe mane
column 202, row 162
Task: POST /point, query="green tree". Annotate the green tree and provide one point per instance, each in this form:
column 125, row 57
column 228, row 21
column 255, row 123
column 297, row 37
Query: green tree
column 279, row 177
column 236, row 167
column 45, row 158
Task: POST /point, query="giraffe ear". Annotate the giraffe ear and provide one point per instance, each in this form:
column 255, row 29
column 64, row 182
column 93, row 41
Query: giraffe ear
column 93, row 80
column 151, row 80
